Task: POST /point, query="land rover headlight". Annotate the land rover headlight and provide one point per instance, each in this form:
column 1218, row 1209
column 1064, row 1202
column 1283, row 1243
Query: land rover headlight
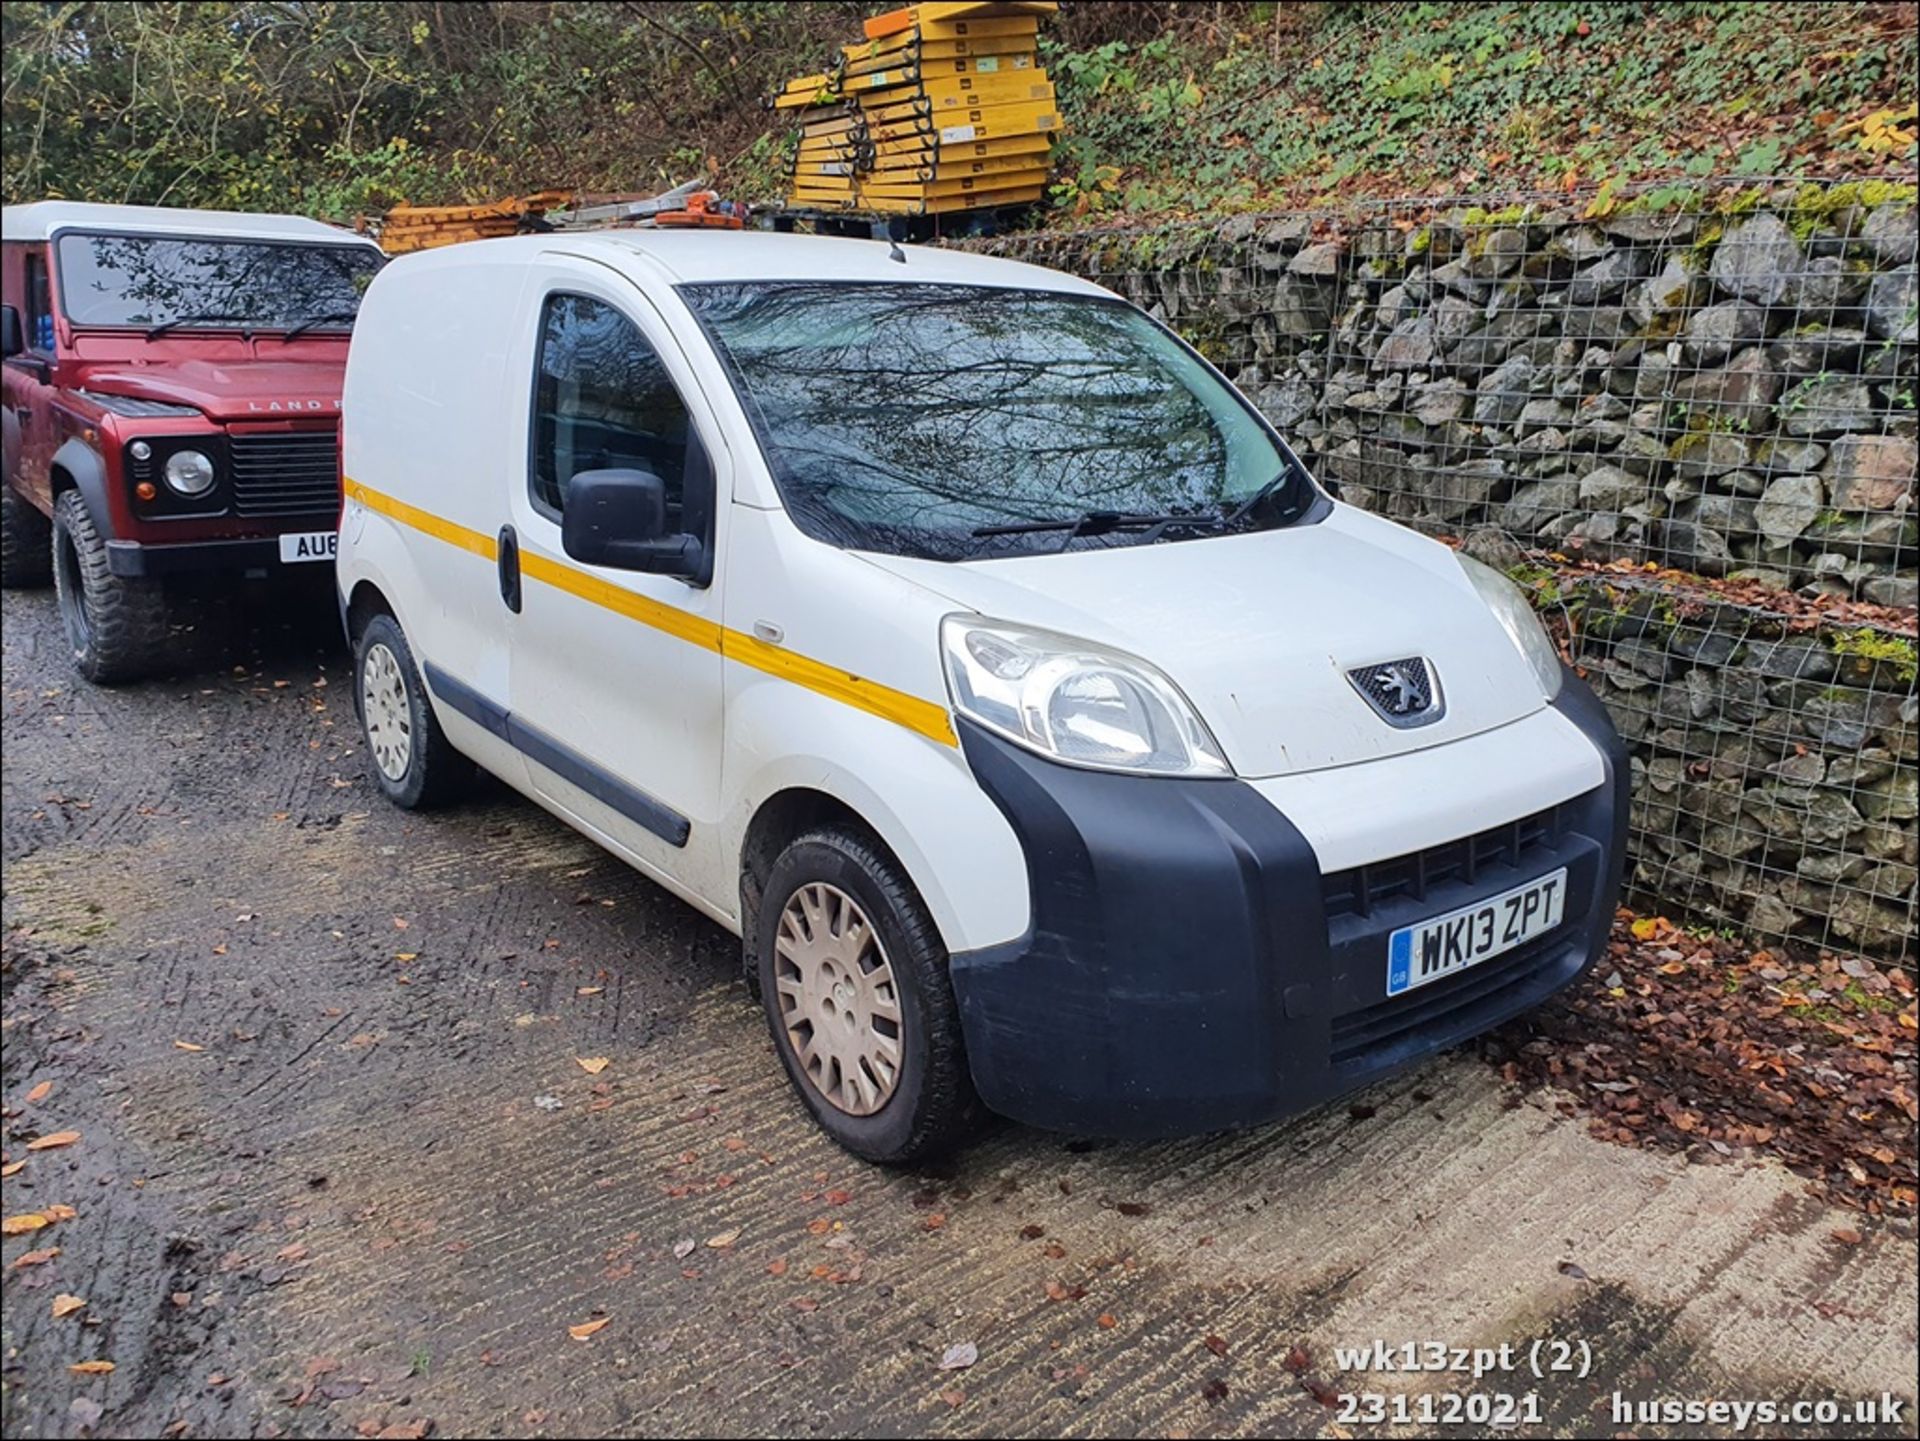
column 1509, row 606
column 189, row 473
column 1074, row 701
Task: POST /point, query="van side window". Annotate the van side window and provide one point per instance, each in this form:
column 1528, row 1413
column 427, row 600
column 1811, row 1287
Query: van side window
column 39, row 316
column 602, row 401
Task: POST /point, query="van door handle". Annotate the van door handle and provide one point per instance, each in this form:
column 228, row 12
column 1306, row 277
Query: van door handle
column 509, row 566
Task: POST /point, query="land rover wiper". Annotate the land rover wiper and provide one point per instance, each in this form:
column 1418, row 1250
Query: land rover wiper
column 164, row 326
column 312, row 320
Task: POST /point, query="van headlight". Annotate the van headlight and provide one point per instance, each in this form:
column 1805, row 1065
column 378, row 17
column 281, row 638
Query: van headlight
column 1509, row 606
column 189, row 473
column 1074, row 701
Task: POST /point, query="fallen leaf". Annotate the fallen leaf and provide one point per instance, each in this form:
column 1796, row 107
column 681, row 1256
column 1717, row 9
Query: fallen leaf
column 723, row 1240
column 53, row 1142
column 1297, row 1360
column 91, row 1368
column 36, row 1258
column 1108, row 1321
column 683, row 1248
column 953, row 1398
column 39, row 1093
column 1032, row 1233
column 838, row 1198
column 777, row 1267
column 1320, row 1390
column 959, row 1356
column 21, row 1225
column 187, row 1046
column 1218, row 1346
column 1847, row 1236
column 804, row 1303
column 12, row 1168
column 587, row 1328
column 66, row 1305
column 592, row 1065
column 934, row 1222
column 1571, row 1268
column 589, row 990
column 1214, row 1392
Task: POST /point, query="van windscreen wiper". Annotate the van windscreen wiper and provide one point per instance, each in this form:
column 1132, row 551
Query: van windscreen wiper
column 164, row 326
column 1092, row 522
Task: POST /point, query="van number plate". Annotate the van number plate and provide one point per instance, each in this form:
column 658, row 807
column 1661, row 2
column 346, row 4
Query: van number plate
column 310, row 545
column 1448, row 944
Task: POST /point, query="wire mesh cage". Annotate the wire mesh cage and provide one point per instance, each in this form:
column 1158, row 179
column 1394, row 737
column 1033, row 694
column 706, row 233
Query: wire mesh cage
column 1683, row 418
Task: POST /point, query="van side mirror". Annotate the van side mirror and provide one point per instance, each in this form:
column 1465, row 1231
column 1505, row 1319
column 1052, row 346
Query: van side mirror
column 618, row 518
column 12, row 342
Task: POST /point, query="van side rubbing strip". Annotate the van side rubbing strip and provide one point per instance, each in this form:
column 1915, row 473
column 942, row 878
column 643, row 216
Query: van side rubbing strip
column 468, row 701
column 537, row 746
column 923, row 717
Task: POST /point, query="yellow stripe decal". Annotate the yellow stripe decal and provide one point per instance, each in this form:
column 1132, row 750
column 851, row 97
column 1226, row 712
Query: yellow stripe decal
column 923, row 717
column 483, row 546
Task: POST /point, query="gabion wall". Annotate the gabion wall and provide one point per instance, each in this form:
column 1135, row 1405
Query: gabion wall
column 1685, row 420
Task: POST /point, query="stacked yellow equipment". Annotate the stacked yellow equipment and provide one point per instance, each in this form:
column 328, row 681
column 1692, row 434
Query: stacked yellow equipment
column 943, row 107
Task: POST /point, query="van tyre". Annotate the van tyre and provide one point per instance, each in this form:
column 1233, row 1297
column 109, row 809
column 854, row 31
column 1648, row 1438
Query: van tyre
column 26, row 542
column 116, row 625
column 408, row 754
column 854, row 980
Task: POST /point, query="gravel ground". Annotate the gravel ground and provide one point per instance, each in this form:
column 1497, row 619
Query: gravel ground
column 347, row 1162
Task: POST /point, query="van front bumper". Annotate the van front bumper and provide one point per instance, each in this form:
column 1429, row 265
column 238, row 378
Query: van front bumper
column 1190, row 968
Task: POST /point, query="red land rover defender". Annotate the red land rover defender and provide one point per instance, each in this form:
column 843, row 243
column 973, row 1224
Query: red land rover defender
column 172, row 408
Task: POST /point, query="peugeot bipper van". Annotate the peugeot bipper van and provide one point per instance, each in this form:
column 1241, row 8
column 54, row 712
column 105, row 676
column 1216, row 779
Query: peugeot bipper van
column 959, row 637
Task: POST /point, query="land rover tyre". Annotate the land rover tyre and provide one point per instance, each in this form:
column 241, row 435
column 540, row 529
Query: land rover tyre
column 26, row 548
column 408, row 754
column 116, row 625
column 853, row 976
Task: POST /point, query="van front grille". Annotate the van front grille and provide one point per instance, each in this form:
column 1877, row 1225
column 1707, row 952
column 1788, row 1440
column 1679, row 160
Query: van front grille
column 1356, row 892
column 286, row 474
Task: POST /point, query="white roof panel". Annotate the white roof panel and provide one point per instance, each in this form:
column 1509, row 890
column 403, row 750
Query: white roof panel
column 45, row 218
column 683, row 257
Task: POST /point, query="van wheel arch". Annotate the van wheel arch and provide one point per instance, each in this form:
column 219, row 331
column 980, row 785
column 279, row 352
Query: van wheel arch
column 782, row 819
column 363, row 605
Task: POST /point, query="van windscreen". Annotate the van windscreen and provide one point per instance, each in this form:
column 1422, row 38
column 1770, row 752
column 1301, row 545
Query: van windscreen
column 188, row 282
column 955, row 422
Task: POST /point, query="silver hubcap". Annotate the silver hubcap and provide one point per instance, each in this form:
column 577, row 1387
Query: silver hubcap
column 837, row 998
column 389, row 721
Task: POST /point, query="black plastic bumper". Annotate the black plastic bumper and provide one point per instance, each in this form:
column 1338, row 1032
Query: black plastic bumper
column 132, row 558
column 198, row 557
column 1190, row 969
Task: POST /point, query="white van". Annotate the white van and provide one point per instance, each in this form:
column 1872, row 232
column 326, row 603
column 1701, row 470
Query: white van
column 954, row 633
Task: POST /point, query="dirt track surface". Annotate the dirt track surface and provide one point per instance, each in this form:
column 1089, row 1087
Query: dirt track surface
column 340, row 1166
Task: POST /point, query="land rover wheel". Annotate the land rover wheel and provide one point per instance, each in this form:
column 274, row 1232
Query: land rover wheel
column 116, row 625
column 854, row 979
column 408, row 754
column 26, row 546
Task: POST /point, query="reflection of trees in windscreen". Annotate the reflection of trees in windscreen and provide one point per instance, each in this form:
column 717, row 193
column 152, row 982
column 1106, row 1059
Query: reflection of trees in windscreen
column 139, row 280
column 936, row 409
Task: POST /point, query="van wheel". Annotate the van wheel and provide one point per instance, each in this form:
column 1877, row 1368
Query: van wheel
column 854, row 980
column 409, row 756
column 117, row 625
column 26, row 542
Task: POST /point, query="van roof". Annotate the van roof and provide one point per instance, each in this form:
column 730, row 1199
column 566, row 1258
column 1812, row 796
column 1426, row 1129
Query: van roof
column 43, row 219
column 696, row 256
